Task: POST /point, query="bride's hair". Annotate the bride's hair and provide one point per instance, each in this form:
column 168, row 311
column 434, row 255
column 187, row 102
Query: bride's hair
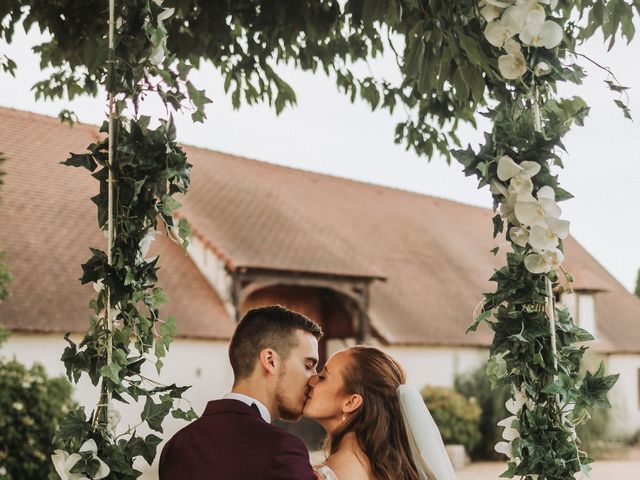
column 377, row 424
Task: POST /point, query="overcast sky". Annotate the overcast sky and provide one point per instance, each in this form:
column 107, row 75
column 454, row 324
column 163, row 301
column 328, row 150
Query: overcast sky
column 326, row 133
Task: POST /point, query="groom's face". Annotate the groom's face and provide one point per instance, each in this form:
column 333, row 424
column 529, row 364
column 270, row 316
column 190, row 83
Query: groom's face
column 291, row 387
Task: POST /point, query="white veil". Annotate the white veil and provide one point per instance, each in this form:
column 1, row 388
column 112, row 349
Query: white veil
column 427, row 447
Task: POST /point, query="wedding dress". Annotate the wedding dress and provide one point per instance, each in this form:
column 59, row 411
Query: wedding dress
column 326, row 473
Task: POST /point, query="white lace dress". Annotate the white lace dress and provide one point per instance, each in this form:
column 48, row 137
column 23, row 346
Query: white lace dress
column 326, row 473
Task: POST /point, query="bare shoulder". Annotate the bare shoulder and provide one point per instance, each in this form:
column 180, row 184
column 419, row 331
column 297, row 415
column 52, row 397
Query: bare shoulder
column 347, row 466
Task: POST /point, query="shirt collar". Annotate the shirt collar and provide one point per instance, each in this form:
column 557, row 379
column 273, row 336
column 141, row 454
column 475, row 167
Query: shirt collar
column 264, row 412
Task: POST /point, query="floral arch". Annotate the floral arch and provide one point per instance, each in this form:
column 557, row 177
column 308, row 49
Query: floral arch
column 501, row 58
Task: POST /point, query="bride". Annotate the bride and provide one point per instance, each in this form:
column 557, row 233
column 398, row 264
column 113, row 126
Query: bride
column 378, row 428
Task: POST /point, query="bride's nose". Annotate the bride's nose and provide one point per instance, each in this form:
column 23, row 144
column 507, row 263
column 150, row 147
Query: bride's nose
column 313, row 380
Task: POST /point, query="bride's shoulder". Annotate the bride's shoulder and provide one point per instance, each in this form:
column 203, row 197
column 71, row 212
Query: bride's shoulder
column 345, row 465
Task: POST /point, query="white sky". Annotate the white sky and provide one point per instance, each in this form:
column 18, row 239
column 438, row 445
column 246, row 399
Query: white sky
column 326, row 133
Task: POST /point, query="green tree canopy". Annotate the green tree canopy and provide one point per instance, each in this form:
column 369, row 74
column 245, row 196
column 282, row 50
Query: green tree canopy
column 449, row 69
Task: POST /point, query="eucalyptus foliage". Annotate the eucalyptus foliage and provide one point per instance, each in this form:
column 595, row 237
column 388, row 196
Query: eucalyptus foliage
column 449, row 73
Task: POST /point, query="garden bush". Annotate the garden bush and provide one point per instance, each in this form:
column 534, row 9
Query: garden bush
column 475, row 385
column 456, row 416
column 32, row 406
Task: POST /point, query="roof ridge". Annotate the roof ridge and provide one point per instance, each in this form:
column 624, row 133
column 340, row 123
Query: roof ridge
column 277, row 166
column 364, row 183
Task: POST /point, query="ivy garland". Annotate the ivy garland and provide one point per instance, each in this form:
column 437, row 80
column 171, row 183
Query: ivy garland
column 537, row 348
column 139, row 169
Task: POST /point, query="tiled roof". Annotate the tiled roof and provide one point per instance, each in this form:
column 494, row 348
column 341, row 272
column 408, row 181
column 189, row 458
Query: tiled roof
column 433, row 253
column 48, row 223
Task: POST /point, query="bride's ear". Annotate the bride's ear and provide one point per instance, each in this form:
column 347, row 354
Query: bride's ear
column 353, row 403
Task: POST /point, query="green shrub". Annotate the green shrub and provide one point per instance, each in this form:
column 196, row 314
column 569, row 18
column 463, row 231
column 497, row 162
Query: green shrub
column 475, row 385
column 456, row 417
column 595, row 436
column 32, row 406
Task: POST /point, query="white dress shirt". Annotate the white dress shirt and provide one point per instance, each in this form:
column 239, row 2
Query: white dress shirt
column 264, row 412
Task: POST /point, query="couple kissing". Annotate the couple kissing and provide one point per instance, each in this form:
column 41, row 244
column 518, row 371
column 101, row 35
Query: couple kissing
column 377, row 427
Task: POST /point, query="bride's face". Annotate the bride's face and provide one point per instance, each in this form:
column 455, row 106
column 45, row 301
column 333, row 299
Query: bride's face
column 326, row 396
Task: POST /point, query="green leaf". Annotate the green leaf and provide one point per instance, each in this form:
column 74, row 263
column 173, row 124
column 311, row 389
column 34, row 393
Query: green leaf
column 85, row 160
column 476, row 321
column 594, row 388
column 168, row 327
column 184, row 232
column 111, row 372
column 160, row 297
column 154, row 413
column 169, row 204
column 496, row 369
column 187, row 415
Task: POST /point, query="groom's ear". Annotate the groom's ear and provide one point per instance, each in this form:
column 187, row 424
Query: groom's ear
column 269, row 359
column 353, row 403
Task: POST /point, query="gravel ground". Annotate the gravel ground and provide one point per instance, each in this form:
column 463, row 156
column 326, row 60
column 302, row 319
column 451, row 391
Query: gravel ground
column 602, row 470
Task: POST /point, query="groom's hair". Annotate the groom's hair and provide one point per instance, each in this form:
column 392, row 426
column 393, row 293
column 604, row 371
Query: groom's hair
column 266, row 327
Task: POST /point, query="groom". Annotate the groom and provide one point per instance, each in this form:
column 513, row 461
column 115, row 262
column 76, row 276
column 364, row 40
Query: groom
column 273, row 353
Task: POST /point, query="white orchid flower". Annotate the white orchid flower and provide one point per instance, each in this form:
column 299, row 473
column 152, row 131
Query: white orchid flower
column 543, row 262
column 517, row 401
column 505, row 448
column 552, row 3
column 498, row 188
column 497, row 33
column 525, row 14
column 521, row 187
column 509, row 433
column 63, row 463
column 546, row 237
column 519, row 235
column 145, row 243
column 542, row 68
column 507, row 209
column 538, row 212
column 507, row 168
column 514, row 404
column 166, row 13
column 498, row 3
column 520, row 184
column 103, row 469
column 490, row 12
column 513, row 65
column 547, row 35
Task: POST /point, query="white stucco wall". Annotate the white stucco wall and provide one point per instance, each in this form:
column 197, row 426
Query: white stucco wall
column 624, row 394
column 213, row 269
column 203, row 364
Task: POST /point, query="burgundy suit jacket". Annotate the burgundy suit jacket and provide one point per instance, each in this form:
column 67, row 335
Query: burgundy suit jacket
column 231, row 441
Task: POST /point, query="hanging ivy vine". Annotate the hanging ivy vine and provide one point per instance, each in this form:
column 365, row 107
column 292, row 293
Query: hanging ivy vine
column 504, row 58
column 537, row 347
column 139, row 168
